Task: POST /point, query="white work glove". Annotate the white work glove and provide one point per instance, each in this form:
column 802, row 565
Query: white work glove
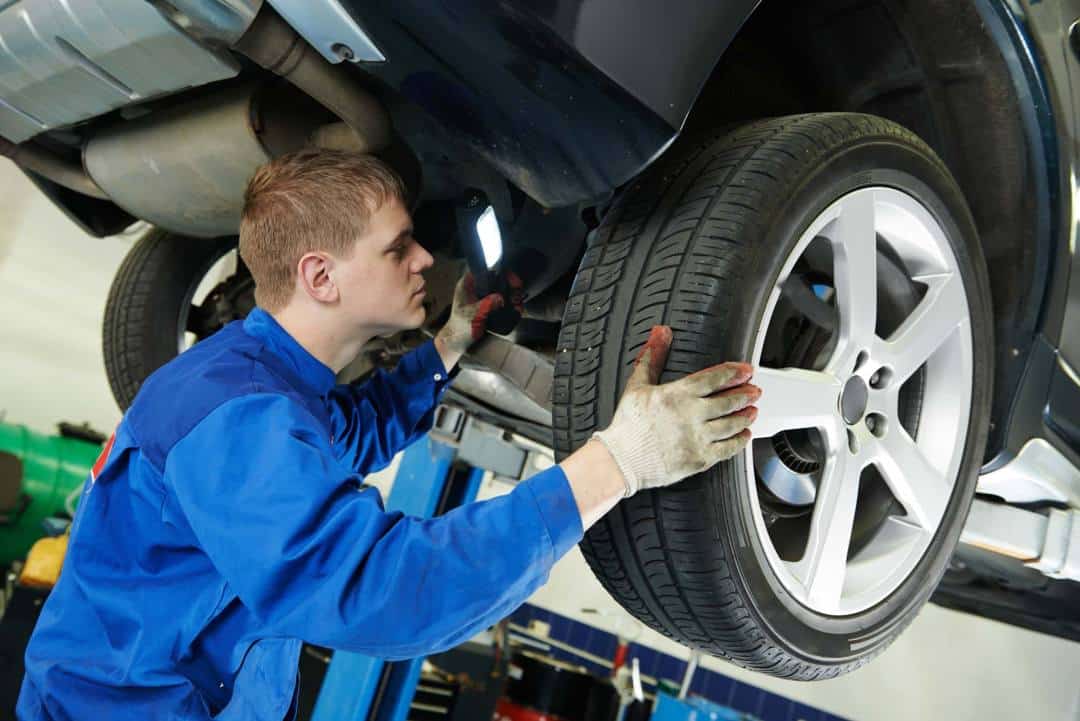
column 469, row 315
column 661, row 434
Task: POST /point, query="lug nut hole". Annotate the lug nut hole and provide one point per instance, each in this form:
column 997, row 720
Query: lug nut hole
column 882, row 378
column 877, row 424
column 861, row 360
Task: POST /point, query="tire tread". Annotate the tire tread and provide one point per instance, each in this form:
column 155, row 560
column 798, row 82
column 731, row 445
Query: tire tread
column 688, row 223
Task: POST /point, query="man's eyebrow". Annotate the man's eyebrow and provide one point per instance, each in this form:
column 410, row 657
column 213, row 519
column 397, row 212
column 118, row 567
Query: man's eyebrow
column 405, row 233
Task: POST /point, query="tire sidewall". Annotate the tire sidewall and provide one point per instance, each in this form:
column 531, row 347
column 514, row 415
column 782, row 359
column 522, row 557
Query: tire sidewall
column 148, row 302
column 174, row 298
column 869, row 162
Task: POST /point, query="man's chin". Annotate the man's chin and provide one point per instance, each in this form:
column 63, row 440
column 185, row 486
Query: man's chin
column 412, row 323
column 417, row 319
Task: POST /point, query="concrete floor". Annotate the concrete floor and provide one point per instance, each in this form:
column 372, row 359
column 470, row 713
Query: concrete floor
column 947, row 665
column 53, row 283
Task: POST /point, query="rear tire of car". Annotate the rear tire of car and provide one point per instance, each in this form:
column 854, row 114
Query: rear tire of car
column 149, row 300
column 698, row 242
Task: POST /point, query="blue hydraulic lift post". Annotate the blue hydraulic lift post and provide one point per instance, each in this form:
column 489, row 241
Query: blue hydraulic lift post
column 352, row 681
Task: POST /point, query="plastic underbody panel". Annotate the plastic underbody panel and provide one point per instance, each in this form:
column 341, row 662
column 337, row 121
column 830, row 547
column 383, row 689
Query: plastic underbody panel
column 63, row 62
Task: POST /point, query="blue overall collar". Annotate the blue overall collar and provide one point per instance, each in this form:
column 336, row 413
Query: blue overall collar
column 309, row 370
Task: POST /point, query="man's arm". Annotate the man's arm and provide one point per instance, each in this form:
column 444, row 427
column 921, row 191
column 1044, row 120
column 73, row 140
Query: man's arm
column 595, row 480
column 449, row 354
column 318, row 559
column 372, row 421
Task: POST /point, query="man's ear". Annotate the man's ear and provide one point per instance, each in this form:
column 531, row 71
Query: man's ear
column 316, row 277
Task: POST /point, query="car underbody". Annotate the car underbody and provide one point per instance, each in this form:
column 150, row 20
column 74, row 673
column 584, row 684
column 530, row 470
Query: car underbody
column 103, row 124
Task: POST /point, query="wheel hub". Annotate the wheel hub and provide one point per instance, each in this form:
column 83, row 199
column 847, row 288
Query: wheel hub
column 897, row 314
column 853, row 400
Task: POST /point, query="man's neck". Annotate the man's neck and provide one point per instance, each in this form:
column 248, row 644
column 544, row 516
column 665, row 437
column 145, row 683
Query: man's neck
column 332, row 346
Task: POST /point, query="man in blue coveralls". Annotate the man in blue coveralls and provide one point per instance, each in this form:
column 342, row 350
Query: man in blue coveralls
column 226, row 521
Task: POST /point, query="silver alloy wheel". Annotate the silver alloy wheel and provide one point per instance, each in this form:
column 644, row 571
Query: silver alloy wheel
column 854, row 402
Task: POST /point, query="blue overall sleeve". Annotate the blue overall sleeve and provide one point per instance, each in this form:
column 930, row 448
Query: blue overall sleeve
column 371, row 422
column 314, row 557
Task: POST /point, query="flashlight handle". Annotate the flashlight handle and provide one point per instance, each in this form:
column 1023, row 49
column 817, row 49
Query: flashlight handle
column 503, row 320
column 485, row 282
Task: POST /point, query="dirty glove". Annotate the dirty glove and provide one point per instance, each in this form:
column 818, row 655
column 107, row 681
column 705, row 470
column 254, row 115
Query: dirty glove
column 661, row 434
column 468, row 316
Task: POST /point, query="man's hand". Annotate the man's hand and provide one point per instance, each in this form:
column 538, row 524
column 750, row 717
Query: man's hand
column 661, row 434
column 469, row 315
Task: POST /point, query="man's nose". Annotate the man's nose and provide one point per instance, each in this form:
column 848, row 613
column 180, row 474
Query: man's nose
column 424, row 260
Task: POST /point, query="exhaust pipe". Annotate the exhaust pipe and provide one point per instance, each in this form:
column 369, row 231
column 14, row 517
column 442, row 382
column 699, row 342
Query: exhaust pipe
column 273, row 44
column 145, row 165
column 47, row 165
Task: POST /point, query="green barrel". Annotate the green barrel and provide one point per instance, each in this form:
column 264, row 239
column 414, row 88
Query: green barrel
column 54, row 469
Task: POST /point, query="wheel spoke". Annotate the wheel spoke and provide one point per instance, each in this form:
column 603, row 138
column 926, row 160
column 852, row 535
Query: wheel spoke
column 884, row 346
column 824, row 565
column 800, row 294
column 794, row 398
column 918, row 484
column 854, row 244
column 940, row 313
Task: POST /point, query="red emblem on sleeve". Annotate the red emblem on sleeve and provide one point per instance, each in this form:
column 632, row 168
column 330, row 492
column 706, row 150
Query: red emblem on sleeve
column 100, row 462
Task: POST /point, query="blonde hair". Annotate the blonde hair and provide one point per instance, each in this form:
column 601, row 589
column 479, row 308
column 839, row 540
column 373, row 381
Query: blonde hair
column 305, row 201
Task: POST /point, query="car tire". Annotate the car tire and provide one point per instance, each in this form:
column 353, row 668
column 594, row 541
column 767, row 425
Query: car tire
column 149, row 305
column 700, row 242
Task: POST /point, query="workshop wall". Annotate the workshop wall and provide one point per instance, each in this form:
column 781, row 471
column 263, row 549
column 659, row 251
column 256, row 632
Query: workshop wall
column 54, row 279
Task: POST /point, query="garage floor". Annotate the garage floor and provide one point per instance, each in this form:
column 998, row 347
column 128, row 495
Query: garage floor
column 53, row 284
column 947, row 665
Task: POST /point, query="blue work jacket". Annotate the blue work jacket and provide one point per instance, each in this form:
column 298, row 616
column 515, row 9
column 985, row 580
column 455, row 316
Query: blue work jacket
column 228, row 523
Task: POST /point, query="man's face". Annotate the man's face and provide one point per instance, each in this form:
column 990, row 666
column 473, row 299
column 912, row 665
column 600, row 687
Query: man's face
column 381, row 285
